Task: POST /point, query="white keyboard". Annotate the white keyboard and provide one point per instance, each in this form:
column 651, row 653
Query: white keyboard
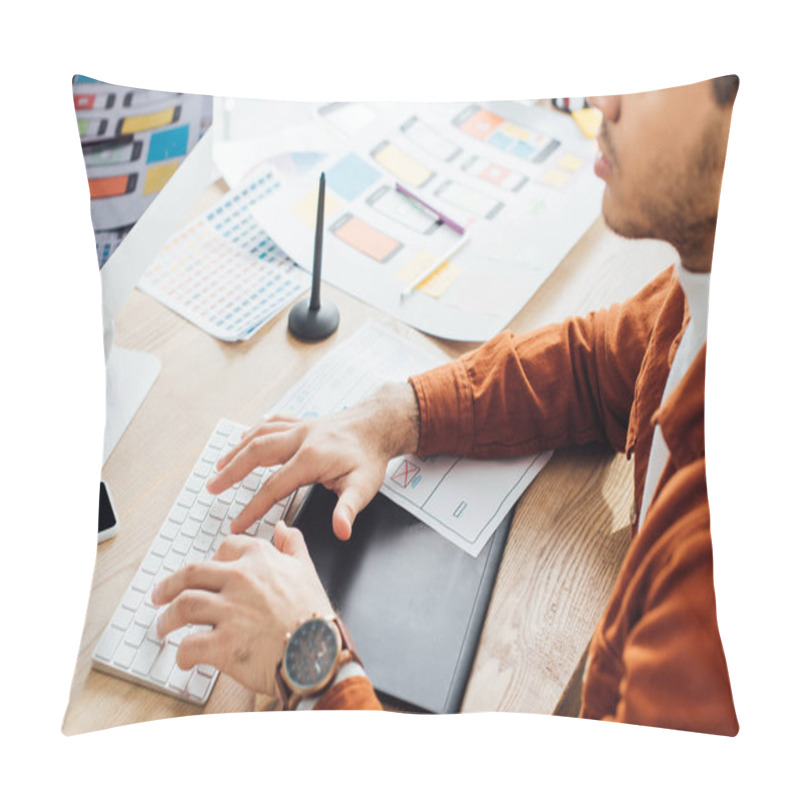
column 192, row 531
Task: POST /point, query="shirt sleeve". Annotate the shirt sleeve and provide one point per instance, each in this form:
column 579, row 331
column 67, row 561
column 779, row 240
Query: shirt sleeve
column 564, row 384
column 675, row 673
column 354, row 693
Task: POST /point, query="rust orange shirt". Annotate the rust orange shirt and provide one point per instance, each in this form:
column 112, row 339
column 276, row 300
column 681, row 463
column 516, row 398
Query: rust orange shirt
column 656, row 657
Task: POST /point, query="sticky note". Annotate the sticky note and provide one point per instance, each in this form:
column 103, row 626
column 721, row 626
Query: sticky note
column 146, row 122
column 402, row 166
column 168, row 144
column 157, row 177
column 588, row 120
column 441, row 280
column 351, row 176
column 438, row 283
column 306, row 208
column 570, row 162
column 555, row 177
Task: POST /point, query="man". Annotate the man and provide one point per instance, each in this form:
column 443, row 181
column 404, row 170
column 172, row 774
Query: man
column 631, row 376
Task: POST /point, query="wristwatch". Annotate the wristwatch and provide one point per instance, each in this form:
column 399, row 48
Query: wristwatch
column 313, row 655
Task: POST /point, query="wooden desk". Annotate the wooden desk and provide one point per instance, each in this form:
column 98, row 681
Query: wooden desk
column 569, row 535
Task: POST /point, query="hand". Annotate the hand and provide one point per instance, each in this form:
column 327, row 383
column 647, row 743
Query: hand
column 252, row 593
column 347, row 452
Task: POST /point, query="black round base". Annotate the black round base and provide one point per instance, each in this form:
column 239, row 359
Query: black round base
column 312, row 326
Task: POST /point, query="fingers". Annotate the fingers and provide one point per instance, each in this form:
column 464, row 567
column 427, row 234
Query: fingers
column 259, row 451
column 204, row 575
column 190, row 607
column 280, row 484
column 290, row 541
column 203, row 647
column 273, row 425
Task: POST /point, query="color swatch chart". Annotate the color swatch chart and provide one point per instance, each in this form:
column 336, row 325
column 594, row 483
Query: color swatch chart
column 133, row 141
column 222, row 272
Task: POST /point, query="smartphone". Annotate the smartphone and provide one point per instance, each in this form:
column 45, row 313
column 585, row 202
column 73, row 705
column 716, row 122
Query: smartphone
column 107, row 524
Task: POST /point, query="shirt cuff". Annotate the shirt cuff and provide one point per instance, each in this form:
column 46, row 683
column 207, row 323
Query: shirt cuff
column 446, row 411
column 349, row 670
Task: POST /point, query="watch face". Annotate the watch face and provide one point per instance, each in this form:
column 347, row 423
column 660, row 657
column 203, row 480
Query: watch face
column 311, row 654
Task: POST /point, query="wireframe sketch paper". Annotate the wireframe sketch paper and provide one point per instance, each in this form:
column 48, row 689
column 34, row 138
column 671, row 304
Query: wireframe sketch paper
column 462, row 499
column 525, row 191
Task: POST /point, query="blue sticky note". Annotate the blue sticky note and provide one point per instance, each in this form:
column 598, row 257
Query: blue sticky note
column 168, row 144
column 523, row 150
column 351, row 176
column 501, row 140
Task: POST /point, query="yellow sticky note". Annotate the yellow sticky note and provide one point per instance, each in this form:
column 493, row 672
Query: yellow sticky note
column 570, row 162
column 306, row 208
column 415, row 266
column 401, row 165
column 438, row 283
column 514, row 130
column 146, row 122
column 588, row 120
column 157, row 177
column 555, row 177
column 441, row 280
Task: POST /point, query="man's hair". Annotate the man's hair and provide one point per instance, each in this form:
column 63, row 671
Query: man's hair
column 725, row 89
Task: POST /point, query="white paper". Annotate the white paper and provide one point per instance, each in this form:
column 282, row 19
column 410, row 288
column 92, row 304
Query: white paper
column 462, row 499
column 521, row 224
column 237, row 159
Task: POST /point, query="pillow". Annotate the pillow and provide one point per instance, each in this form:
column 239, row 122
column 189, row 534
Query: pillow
column 495, row 230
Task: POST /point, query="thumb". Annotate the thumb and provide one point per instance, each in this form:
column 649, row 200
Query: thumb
column 351, row 502
column 289, row 541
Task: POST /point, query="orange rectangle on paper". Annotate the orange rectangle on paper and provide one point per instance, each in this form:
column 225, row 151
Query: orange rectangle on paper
column 482, row 124
column 368, row 240
column 109, row 187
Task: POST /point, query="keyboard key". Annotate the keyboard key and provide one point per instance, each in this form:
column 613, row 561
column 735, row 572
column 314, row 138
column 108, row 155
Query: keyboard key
column 178, row 514
column 122, row 619
column 273, row 515
column 165, row 663
column 145, row 616
column 151, row 564
column 108, row 643
column 170, row 530
column 142, row 581
column 173, row 561
column 198, row 685
column 186, row 498
column 146, row 656
column 179, row 678
column 182, row 545
column 211, row 525
column 219, row 509
column 133, row 599
column 251, row 482
column 205, row 498
column 135, row 636
column 195, row 483
column 125, row 655
column 161, row 546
